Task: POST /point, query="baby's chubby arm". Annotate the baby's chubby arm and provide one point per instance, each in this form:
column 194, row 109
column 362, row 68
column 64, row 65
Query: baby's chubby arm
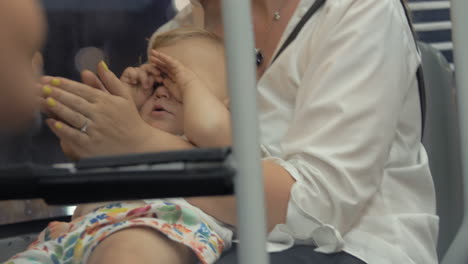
column 207, row 120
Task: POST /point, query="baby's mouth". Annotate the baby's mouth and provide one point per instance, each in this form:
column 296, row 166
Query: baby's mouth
column 160, row 109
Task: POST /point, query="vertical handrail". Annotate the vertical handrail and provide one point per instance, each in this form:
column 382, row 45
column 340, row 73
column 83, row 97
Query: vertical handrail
column 457, row 252
column 239, row 41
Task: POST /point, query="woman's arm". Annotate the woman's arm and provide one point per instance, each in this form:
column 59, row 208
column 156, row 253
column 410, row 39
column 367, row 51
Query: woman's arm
column 278, row 183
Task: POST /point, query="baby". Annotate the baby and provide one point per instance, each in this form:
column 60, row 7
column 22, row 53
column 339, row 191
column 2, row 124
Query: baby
column 188, row 95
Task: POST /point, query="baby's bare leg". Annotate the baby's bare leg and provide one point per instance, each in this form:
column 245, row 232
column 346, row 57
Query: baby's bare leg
column 143, row 246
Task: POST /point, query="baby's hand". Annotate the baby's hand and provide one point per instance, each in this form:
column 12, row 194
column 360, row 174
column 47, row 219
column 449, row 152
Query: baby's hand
column 175, row 76
column 140, row 80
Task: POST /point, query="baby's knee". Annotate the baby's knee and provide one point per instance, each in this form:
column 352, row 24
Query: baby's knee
column 140, row 245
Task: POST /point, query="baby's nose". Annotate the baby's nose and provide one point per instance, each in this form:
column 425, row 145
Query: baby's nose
column 161, row 92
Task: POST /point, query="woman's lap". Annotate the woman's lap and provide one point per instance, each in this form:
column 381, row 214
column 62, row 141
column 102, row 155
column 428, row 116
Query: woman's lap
column 65, row 242
column 62, row 242
column 297, row 255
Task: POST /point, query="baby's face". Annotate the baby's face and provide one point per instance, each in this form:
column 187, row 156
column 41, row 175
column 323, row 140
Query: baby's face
column 162, row 110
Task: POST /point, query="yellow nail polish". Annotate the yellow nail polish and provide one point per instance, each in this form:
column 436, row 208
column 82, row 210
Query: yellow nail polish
column 58, row 125
column 51, row 102
column 55, row 82
column 46, row 90
column 104, row 65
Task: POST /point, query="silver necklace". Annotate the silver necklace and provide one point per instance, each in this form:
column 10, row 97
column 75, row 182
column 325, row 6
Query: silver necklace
column 277, row 15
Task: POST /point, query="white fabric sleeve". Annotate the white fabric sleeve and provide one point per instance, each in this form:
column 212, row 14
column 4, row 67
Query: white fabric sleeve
column 346, row 113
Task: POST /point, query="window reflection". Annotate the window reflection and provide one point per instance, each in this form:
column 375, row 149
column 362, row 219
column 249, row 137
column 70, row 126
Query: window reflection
column 81, row 33
column 118, row 28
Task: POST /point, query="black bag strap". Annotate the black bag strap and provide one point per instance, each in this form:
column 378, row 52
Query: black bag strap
column 312, row 10
column 419, row 74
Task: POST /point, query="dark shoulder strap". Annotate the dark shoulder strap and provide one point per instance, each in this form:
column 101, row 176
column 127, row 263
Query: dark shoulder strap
column 316, row 6
column 419, row 73
column 312, row 10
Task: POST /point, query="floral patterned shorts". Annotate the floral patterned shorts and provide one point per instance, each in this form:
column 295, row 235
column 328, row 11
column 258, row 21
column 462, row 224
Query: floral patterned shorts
column 73, row 243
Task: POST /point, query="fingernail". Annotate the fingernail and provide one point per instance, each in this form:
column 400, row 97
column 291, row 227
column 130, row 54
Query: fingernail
column 58, row 125
column 51, row 102
column 55, row 82
column 46, row 90
column 104, row 65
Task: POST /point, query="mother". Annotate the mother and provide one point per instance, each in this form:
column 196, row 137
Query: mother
column 340, row 127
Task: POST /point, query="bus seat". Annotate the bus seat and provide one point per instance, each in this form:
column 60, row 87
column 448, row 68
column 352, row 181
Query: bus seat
column 442, row 142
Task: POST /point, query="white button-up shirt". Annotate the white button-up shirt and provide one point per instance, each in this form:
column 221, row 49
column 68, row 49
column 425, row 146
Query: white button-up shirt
column 339, row 110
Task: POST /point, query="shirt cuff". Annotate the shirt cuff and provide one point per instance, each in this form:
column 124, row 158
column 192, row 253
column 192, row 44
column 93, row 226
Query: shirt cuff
column 304, row 227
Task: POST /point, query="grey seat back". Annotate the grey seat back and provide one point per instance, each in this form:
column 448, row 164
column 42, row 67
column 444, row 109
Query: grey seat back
column 12, row 246
column 442, row 142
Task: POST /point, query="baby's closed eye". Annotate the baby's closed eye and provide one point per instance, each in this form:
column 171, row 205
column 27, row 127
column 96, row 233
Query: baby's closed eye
column 156, row 85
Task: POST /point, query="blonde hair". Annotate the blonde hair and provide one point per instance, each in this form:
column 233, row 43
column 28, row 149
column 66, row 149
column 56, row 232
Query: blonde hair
column 171, row 37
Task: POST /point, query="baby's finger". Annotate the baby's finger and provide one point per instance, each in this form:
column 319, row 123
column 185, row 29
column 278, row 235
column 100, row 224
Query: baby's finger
column 151, row 81
column 150, row 68
column 173, row 90
column 163, row 68
column 156, row 62
column 159, row 79
column 130, row 76
column 172, row 64
column 154, row 72
column 153, row 59
column 143, row 78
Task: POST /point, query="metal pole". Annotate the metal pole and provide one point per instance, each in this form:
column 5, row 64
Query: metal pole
column 457, row 252
column 239, row 40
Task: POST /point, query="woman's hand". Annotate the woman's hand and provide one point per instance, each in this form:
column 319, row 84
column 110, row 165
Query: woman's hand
column 95, row 122
column 141, row 81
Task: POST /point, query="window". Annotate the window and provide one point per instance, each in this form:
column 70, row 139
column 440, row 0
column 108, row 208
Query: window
column 432, row 22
